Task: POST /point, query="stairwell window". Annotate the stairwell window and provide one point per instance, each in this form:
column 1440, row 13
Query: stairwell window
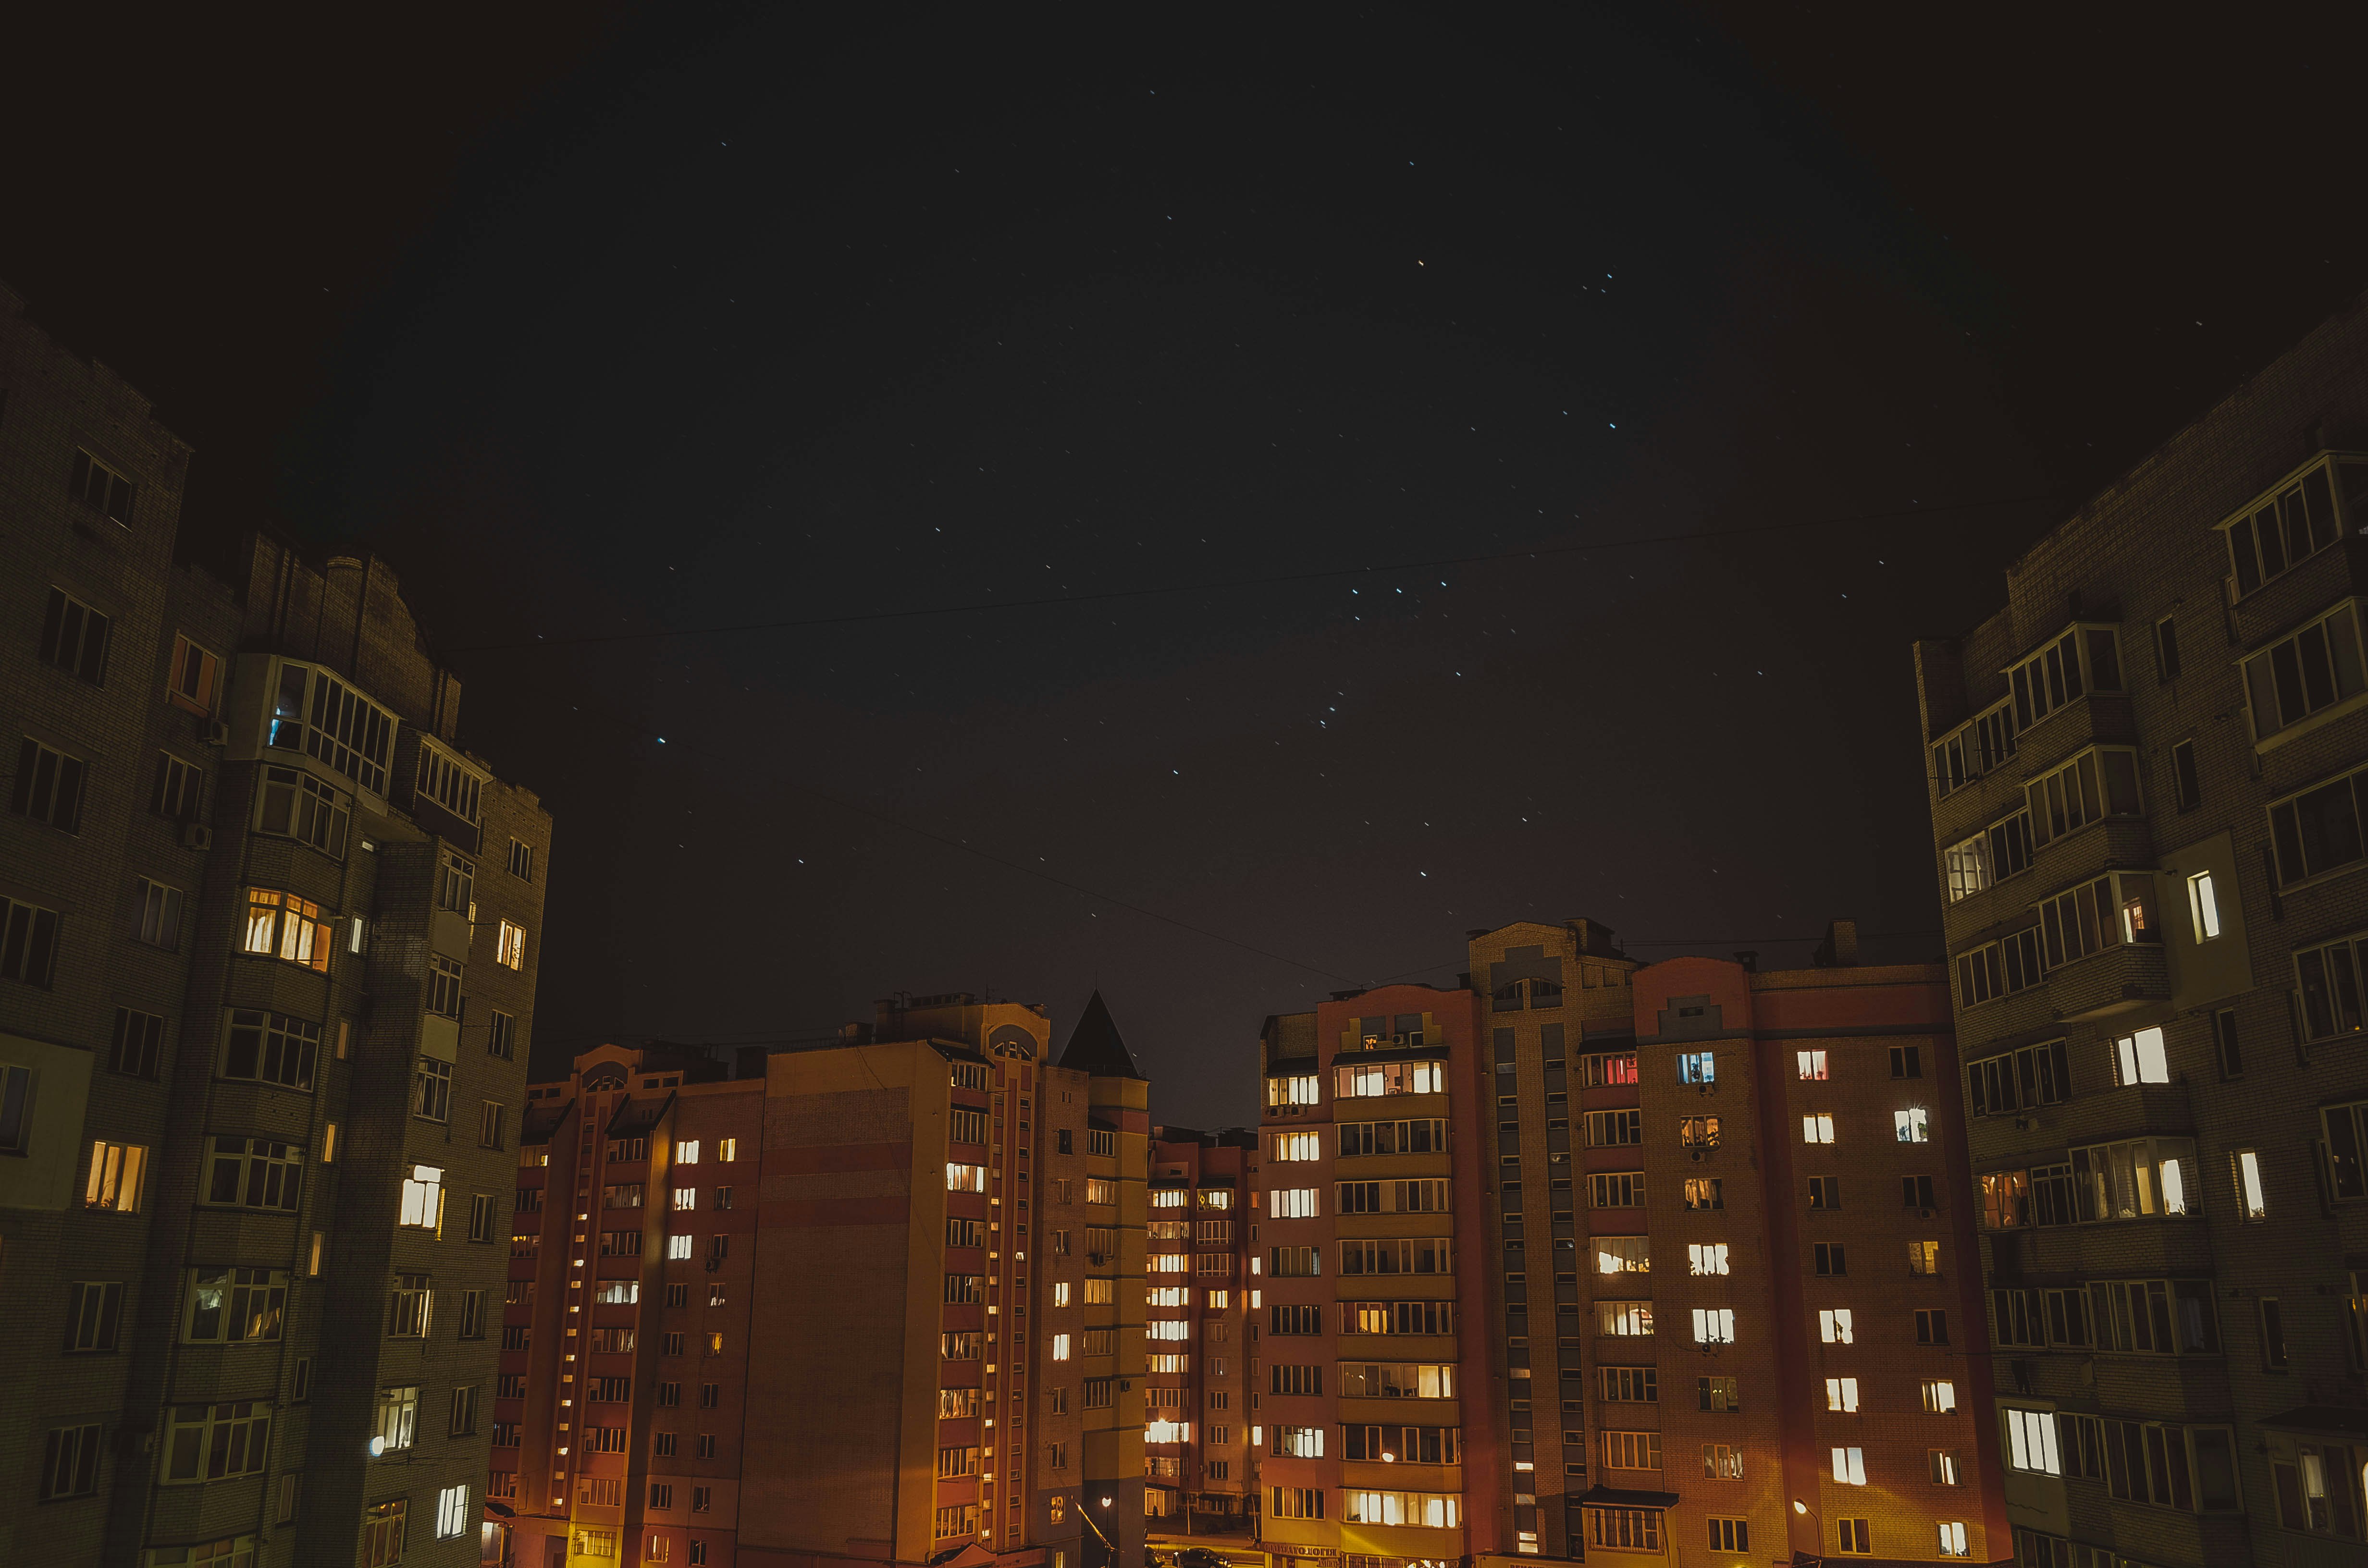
column 2307, row 673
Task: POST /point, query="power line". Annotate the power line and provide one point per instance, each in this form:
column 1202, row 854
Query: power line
column 1229, row 585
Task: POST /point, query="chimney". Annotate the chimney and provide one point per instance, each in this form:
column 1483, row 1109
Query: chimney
column 1839, row 949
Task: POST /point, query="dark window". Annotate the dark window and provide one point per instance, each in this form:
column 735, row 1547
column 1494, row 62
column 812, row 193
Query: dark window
column 138, row 1043
column 2184, row 776
column 1068, row 1141
column 1908, row 1061
column 74, row 637
column 2166, row 650
column 1931, row 1326
column 101, row 486
column 29, row 943
column 93, row 1313
column 1826, row 1192
column 49, row 785
column 177, row 788
column 1830, row 1258
column 1915, row 1191
column 2274, row 1335
column 2223, row 1034
column 70, row 1463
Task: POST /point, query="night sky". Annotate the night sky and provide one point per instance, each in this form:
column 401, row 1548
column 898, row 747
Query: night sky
column 1490, row 464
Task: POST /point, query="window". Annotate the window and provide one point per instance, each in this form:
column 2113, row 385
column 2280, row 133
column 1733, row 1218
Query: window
column 1428, row 1510
column 1850, row 1537
column 1296, row 1503
column 1705, row 1258
column 1713, row 1325
column 2144, row 1177
column 2099, row 783
column 463, row 1417
column 1100, row 1189
column 501, row 1034
column 294, row 804
column 1704, row 1193
column 1697, row 1067
column 2030, row 1440
column 1825, row 1192
column 1931, row 1326
column 1616, row 1189
column 1392, row 1379
column 1296, row 1146
column 1974, row 749
column 1611, row 1072
column 1850, row 1466
column 1625, row 1529
column 1830, row 1260
column 1812, row 1067
column 2093, row 916
column 253, row 1173
column 727, row 1149
column 116, row 1170
column 1299, row 1089
column 94, row 1314
column 962, row 1178
column 139, row 1045
column 408, row 1307
column 2139, row 1059
column 1834, row 1326
column 2085, row 658
column 1722, row 1461
column 1841, row 1393
column 1611, row 1128
column 510, row 950
column 1623, row 1254
column 70, row 1463
column 443, row 986
column 49, row 785
column 2253, row 1202
column 1916, row 1192
column 431, row 1090
column 1730, row 1535
column 1817, row 1128
column 422, row 1201
column 448, row 782
column 1370, row 1080
column 1630, row 1385
column 1924, row 1259
column 492, row 1124
column 1998, row 969
column 160, row 915
column 1913, row 1126
column 1939, row 1397
column 1908, row 1061
column 1101, row 1140
column 2304, row 673
column 74, row 637
column 1698, row 1131
column 207, row 1442
column 2034, row 1076
column 1408, row 1254
column 175, row 798
column 521, row 862
column 1722, row 1396
column 338, row 726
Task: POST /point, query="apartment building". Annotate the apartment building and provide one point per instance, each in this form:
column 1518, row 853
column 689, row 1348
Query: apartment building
column 263, row 1021
column 1373, row 1422
column 875, row 1299
column 1465, row 1350
column 1199, row 1463
column 2145, row 794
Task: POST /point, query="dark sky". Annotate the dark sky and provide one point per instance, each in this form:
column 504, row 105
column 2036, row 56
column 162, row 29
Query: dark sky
column 1775, row 332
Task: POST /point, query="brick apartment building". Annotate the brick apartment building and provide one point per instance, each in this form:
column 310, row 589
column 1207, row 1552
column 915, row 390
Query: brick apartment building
column 266, row 977
column 1198, row 1458
column 1464, row 1352
column 877, row 1299
column 2146, row 796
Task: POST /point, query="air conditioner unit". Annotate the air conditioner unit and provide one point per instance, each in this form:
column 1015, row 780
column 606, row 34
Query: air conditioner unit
column 217, row 733
column 196, row 836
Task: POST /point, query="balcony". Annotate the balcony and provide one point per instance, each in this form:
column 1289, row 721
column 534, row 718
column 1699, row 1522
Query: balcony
column 2124, row 976
column 2100, row 717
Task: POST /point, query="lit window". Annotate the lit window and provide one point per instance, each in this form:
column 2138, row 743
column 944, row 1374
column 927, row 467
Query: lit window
column 452, row 1512
column 1834, row 1326
column 685, row 1197
column 1841, row 1393
column 1912, row 1126
column 727, row 1148
column 1939, row 1397
column 1819, row 1129
column 1713, row 1325
column 1813, row 1066
column 2202, row 906
column 1060, row 1348
column 114, row 1176
column 422, row 1199
column 677, row 1247
column 1707, row 1257
column 2139, row 1059
column 1850, row 1466
column 1953, row 1539
column 2252, row 1202
column 1697, row 1067
column 686, row 1152
column 2032, row 1443
column 965, row 1178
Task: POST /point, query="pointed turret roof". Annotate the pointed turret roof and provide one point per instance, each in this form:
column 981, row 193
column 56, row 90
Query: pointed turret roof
column 1095, row 1046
